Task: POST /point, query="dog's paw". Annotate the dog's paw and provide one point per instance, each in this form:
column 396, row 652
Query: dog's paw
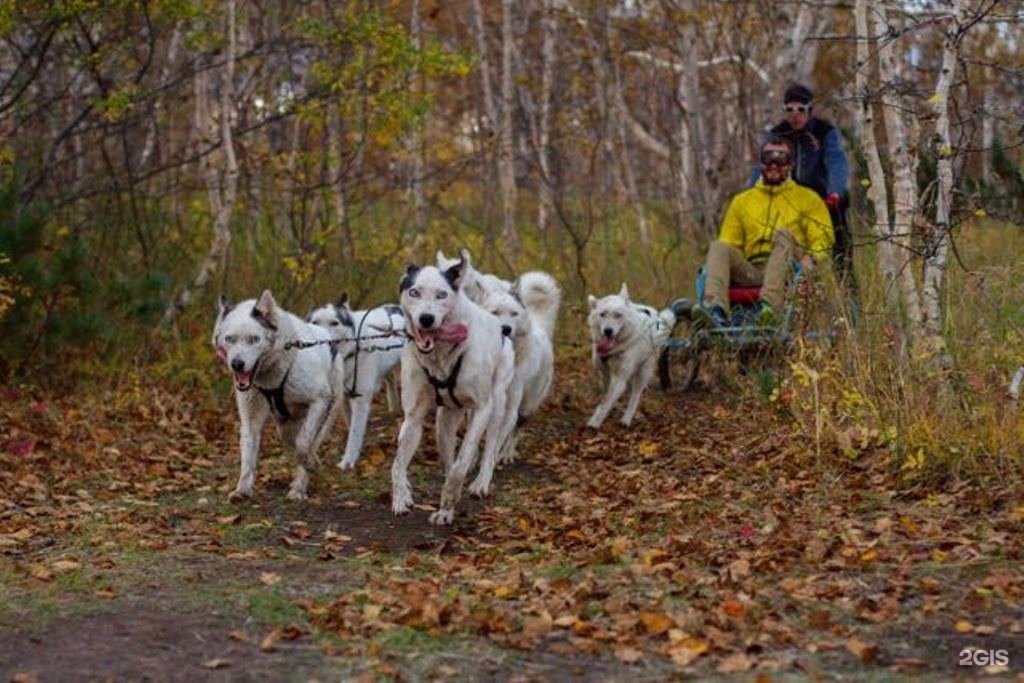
column 348, row 462
column 401, row 502
column 442, row 517
column 480, row 488
column 238, row 495
column 625, row 423
column 594, row 424
column 298, row 495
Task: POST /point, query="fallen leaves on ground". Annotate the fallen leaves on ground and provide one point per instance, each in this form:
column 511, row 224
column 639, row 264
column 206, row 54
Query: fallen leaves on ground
column 709, row 535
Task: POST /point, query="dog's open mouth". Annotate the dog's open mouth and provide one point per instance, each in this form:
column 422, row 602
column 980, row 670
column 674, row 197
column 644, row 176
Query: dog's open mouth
column 243, row 380
column 454, row 333
column 605, row 345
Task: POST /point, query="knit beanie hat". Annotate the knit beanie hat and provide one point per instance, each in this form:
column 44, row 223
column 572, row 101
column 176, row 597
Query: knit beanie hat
column 797, row 92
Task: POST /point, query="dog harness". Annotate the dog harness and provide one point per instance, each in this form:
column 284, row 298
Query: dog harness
column 275, row 397
column 392, row 311
column 447, row 383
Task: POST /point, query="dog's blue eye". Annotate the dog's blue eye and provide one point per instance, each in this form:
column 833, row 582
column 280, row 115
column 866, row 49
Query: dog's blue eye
column 442, row 294
column 414, row 293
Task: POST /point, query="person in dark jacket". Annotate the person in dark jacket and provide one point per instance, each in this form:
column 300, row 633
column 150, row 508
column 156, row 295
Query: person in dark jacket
column 820, row 164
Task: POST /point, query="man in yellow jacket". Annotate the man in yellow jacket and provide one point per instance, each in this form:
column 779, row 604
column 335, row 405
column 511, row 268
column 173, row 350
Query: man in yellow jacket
column 764, row 230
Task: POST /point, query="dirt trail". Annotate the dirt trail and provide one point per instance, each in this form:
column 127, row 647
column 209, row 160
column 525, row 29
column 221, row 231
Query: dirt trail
column 708, row 538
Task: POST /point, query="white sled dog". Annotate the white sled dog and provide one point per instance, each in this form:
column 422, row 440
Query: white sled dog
column 627, row 338
column 476, row 285
column 370, row 358
column 301, row 387
column 527, row 317
column 459, row 362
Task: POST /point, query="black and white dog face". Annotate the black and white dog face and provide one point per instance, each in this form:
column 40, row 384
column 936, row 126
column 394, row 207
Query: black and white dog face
column 336, row 318
column 610, row 317
column 428, row 296
column 510, row 312
column 245, row 334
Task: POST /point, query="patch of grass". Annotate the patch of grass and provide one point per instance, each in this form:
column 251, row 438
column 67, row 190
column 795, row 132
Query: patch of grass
column 271, row 606
column 560, row 571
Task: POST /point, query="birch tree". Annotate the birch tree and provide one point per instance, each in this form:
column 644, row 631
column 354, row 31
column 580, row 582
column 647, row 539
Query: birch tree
column 506, row 144
column 902, row 150
column 877, row 193
column 220, row 171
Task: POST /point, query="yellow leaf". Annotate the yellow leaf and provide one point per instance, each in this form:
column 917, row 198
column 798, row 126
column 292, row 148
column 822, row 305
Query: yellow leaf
column 935, row 99
column 656, row 623
column 648, row 448
column 981, row 213
column 270, row 578
column 864, row 182
column 963, row 626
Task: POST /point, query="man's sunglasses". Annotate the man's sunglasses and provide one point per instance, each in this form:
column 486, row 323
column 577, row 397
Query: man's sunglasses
column 797, row 108
column 776, row 157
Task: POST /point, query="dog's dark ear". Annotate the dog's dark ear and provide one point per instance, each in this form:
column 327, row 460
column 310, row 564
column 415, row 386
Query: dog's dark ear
column 223, row 307
column 516, row 292
column 342, row 301
column 407, row 279
column 455, row 272
column 265, row 310
column 344, row 316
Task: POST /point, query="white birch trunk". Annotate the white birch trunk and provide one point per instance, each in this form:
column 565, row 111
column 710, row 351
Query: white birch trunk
column 877, row 193
column 416, row 137
column 938, row 240
column 901, row 154
column 506, row 159
column 545, row 205
column 221, row 174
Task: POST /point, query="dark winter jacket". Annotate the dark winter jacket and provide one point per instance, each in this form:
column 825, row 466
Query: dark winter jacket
column 820, row 162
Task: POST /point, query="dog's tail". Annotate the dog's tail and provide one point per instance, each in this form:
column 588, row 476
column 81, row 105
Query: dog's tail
column 662, row 332
column 541, row 296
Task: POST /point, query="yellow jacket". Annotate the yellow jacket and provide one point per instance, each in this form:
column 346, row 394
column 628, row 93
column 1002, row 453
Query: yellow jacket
column 754, row 214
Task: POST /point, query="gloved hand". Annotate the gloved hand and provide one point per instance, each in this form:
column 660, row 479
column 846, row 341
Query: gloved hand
column 832, row 200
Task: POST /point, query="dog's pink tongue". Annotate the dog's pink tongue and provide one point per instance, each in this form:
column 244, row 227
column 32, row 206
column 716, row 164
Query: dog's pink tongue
column 243, row 379
column 453, row 332
column 605, row 346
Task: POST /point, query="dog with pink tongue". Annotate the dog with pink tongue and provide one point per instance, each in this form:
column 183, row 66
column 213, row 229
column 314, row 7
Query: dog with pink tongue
column 460, row 364
column 627, row 339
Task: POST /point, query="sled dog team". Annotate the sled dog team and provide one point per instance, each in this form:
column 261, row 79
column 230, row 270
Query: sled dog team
column 481, row 357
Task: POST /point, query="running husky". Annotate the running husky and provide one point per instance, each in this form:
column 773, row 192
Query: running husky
column 627, row 340
column 370, row 358
column 477, row 286
column 527, row 317
column 461, row 363
column 301, row 387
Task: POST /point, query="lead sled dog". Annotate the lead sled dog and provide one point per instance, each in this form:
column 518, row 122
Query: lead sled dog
column 300, row 387
column 627, row 338
column 459, row 363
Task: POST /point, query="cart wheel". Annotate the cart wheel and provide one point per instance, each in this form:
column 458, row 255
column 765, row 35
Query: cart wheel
column 679, row 371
